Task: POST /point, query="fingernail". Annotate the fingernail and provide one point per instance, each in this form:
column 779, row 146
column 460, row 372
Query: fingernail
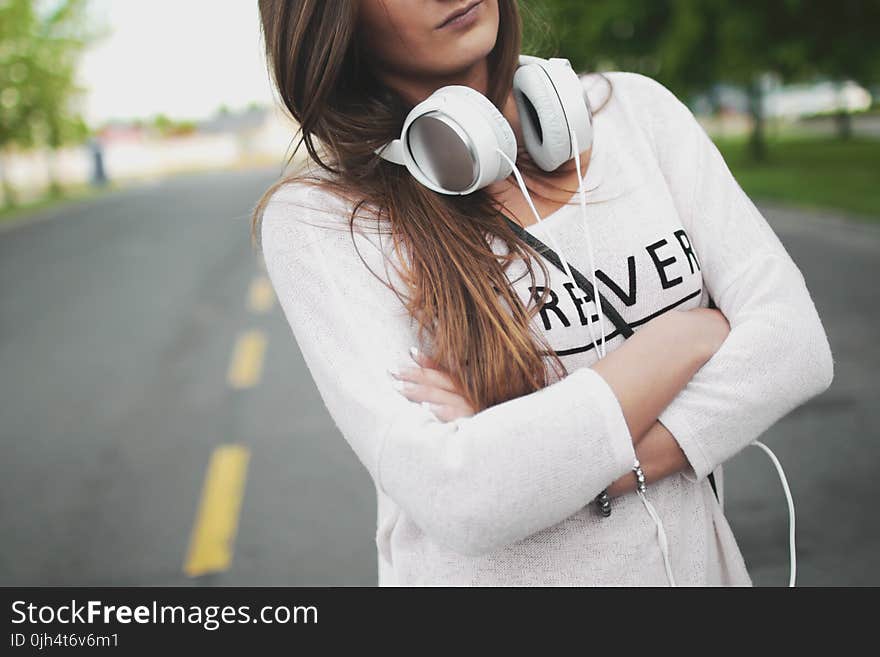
column 394, row 372
column 414, row 352
column 398, row 385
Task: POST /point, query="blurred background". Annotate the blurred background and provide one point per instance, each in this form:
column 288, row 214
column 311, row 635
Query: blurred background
column 158, row 424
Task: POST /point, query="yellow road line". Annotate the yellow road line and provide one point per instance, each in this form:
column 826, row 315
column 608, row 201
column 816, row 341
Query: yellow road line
column 261, row 296
column 246, row 365
column 213, row 535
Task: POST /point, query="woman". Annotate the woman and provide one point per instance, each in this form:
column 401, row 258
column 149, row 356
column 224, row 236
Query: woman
column 488, row 440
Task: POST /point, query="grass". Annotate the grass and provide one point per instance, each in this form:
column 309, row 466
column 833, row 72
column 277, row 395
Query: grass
column 812, row 172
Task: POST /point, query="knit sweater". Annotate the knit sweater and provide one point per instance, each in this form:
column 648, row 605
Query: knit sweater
column 503, row 497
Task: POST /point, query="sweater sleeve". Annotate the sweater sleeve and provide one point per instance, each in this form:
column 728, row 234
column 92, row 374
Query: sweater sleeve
column 777, row 355
column 472, row 485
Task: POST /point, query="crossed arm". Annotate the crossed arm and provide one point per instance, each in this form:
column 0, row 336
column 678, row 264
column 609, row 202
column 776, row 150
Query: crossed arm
column 644, row 378
column 656, row 448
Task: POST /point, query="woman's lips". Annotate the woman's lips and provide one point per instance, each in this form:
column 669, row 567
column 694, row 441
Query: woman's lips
column 464, row 18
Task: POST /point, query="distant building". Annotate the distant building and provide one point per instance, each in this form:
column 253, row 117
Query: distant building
column 788, row 100
column 249, row 119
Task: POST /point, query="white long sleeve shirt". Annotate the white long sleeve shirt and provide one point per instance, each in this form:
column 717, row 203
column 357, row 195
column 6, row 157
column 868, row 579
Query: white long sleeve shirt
column 504, row 497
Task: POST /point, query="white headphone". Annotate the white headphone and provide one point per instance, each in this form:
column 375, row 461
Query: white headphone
column 450, row 141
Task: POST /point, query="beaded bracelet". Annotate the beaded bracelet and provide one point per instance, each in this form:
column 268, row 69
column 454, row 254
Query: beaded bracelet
column 603, row 502
column 640, row 476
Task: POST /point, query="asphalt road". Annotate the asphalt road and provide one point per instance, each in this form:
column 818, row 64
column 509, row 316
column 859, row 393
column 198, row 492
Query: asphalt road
column 118, row 320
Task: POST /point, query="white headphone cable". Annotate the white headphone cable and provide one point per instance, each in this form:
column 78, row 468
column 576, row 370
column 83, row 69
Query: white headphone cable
column 791, row 545
column 661, row 537
column 583, row 201
column 661, row 533
column 528, row 196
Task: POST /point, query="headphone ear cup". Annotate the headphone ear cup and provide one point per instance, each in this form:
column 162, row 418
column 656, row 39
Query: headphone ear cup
column 542, row 117
column 503, row 132
column 450, row 142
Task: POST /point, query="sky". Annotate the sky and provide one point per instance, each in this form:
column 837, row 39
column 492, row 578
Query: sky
column 183, row 58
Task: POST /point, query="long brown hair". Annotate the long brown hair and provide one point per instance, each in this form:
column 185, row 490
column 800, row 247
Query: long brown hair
column 480, row 332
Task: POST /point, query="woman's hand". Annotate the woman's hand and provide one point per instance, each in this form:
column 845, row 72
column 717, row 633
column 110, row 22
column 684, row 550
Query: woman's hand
column 425, row 383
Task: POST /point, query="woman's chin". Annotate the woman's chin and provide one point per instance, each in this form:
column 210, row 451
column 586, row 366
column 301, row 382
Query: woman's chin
column 467, row 50
column 457, row 48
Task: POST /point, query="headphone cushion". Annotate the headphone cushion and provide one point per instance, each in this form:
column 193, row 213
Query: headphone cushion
column 548, row 143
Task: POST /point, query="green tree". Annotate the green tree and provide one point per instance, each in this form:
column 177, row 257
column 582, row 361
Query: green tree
column 17, row 102
column 40, row 45
column 63, row 35
column 755, row 37
column 842, row 44
column 690, row 44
